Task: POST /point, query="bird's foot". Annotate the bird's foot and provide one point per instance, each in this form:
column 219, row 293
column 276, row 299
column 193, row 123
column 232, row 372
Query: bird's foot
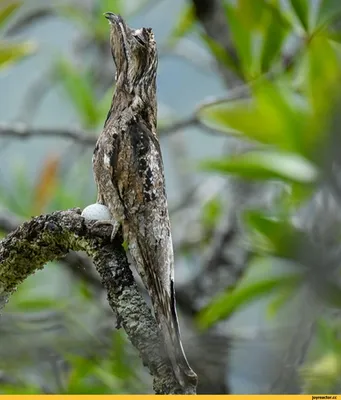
column 115, row 226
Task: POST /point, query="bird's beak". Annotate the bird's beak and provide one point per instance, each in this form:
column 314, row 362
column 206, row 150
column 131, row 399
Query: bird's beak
column 113, row 17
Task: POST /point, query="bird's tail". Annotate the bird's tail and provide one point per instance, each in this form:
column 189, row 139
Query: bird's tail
column 164, row 305
column 169, row 325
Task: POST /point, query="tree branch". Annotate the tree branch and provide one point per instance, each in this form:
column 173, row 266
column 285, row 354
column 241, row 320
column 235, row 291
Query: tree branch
column 49, row 237
column 26, row 132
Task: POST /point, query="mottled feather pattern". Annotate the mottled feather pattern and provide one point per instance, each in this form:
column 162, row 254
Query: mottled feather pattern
column 129, row 174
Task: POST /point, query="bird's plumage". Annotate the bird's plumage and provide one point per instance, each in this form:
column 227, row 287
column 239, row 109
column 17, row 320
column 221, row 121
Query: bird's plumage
column 128, row 170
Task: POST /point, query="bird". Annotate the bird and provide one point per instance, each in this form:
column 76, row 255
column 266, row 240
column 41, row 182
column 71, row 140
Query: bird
column 129, row 175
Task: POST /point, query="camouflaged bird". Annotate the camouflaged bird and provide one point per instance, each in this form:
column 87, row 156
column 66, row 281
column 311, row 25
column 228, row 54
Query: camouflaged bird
column 128, row 171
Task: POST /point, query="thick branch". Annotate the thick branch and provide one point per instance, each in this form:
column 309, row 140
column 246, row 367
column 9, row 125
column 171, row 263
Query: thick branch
column 51, row 236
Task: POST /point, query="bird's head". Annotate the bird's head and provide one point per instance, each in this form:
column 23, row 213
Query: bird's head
column 134, row 52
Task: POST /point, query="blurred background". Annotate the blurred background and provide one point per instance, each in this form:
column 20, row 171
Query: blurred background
column 249, row 124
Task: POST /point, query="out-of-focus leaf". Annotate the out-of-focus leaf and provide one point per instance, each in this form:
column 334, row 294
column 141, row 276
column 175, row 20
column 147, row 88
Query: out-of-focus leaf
column 275, row 116
column 327, row 335
column 335, row 36
column 46, row 184
column 13, row 52
column 324, row 71
column 242, row 39
column 184, row 24
column 302, row 11
column 322, row 375
column 7, row 9
column 328, row 11
column 19, row 389
column 211, row 212
column 79, row 90
column 282, row 238
column 258, row 29
column 229, row 302
column 282, row 296
column 275, row 30
column 220, row 54
column 266, row 165
column 36, row 304
column 322, row 88
column 323, row 74
column 250, row 12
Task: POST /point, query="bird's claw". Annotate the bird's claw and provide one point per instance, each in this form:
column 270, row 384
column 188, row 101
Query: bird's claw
column 115, row 226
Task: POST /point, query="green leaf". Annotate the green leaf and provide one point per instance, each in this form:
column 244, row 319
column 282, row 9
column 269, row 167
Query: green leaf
column 282, row 296
column 328, row 11
column 7, row 9
column 184, row 24
column 327, row 335
column 220, row 54
column 282, row 238
column 276, row 116
column 11, row 53
column 322, row 375
column 266, row 165
column 242, row 39
column 80, row 93
column 302, row 12
column 211, row 212
column 36, row 304
column 227, row 303
column 275, row 31
column 321, row 80
column 250, row 12
column 335, row 36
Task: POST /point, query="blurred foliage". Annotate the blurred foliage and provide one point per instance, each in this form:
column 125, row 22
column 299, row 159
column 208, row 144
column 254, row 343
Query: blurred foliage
column 288, row 119
column 11, row 52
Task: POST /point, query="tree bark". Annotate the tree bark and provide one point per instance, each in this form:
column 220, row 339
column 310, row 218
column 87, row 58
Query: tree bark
column 49, row 237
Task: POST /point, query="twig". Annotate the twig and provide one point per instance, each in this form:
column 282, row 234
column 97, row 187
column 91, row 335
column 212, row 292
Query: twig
column 23, row 131
column 26, row 132
column 49, row 237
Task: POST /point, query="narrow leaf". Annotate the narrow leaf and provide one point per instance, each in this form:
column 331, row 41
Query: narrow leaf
column 13, row 52
column 220, row 54
column 283, row 240
column 276, row 116
column 266, row 165
column 184, row 24
column 227, row 303
column 7, row 9
column 328, row 11
column 302, row 9
column 79, row 90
